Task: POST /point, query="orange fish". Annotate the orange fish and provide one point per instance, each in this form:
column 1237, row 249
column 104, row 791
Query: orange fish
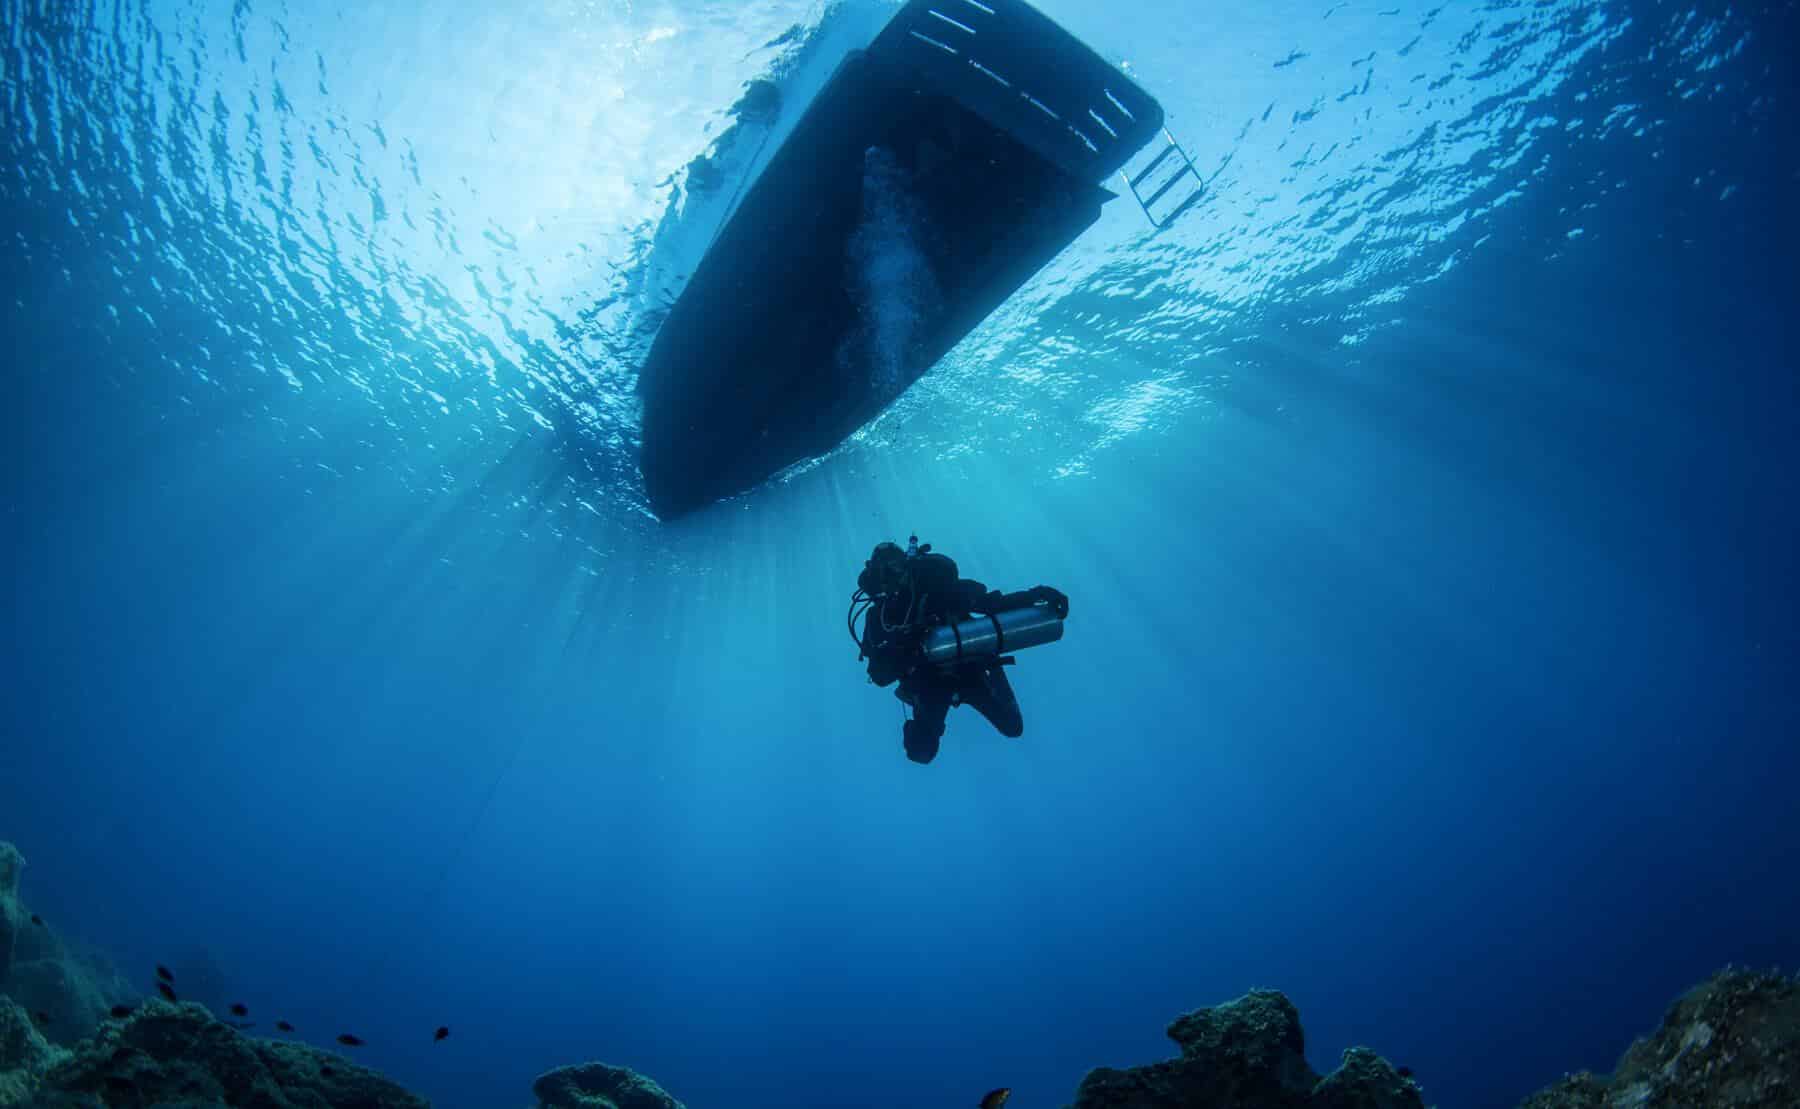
column 996, row 1098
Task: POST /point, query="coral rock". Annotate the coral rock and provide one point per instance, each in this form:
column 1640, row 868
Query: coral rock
column 23, row 1055
column 599, row 1086
column 34, row 942
column 1364, row 1080
column 12, row 864
column 1575, row 1091
column 13, row 917
column 1733, row 1042
column 180, row 1054
column 64, row 991
column 1248, row 1054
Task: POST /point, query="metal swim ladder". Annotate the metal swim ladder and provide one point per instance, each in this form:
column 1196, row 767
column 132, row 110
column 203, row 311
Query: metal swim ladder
column 1185, row 169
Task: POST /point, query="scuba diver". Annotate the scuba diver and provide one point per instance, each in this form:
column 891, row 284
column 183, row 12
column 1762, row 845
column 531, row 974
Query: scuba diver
column 943, row 637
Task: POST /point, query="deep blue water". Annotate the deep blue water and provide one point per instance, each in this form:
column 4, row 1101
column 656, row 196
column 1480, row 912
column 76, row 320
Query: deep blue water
column 1426, row 501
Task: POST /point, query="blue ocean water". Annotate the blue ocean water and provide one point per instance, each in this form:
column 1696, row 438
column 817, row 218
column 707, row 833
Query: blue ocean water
column 1425, row 498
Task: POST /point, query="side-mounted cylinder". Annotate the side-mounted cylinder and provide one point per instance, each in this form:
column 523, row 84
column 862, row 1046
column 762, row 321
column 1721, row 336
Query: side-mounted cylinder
column 987, row 637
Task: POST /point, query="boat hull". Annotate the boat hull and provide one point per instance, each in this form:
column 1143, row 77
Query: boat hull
column 898, row 214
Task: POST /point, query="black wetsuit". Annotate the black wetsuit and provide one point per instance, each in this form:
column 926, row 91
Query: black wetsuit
column 936, row 594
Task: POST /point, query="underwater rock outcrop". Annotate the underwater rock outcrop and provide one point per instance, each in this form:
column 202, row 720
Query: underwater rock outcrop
column 34, row 942
column 12, row 864
column 1248, row 1054
column 599, row 1086
column 12, row 917
column 70, row 992
column 24, row 1055
column 71, row 987
column 179, row 1054
column 1732, row 1042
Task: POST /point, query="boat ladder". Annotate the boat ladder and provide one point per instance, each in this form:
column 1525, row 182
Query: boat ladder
column 1184, row 169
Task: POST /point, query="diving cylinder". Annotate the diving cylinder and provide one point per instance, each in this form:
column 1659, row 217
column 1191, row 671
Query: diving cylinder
column 987, row 637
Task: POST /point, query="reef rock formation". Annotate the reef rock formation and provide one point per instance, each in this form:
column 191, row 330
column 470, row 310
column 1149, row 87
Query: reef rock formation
column 12, row 916
column 12, row 864
column 1732, row 1042
column 178, row 1054
column 1248, row 1053
column 24, row 1054
column 71, row 993
column 35, row 941
column 599, row 1086
column 73, row 987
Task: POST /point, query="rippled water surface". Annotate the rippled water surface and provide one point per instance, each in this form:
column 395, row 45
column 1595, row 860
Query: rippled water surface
column 413, row 226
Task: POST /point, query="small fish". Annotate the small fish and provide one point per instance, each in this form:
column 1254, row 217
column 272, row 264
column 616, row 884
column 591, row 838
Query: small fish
column 37, row 920
column 349, row 1041
column 240, row 1010
column 994, row 1099
column 40, row 1018
column 120, row 1012
column 443, row 1033
column 1403, row 1072
column 166, row 990
column 283, row 1026
column 119, row 1085
column 163, row 973
column 119, row 1055
column 327, row 1071
column 242, row 1025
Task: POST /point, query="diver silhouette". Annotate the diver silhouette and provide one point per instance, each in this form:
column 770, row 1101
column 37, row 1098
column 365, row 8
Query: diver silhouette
column 944, row 638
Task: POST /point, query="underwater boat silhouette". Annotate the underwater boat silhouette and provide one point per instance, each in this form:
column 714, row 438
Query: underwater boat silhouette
column 932, row 175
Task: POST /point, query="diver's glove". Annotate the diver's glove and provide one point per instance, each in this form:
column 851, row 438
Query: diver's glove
column 1055, row 598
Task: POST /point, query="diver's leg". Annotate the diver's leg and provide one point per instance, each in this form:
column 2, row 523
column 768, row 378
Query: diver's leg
column 993, row 697
column 931, row 702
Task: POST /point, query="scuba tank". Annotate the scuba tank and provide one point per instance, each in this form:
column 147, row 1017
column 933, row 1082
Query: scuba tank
column 986, row 637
